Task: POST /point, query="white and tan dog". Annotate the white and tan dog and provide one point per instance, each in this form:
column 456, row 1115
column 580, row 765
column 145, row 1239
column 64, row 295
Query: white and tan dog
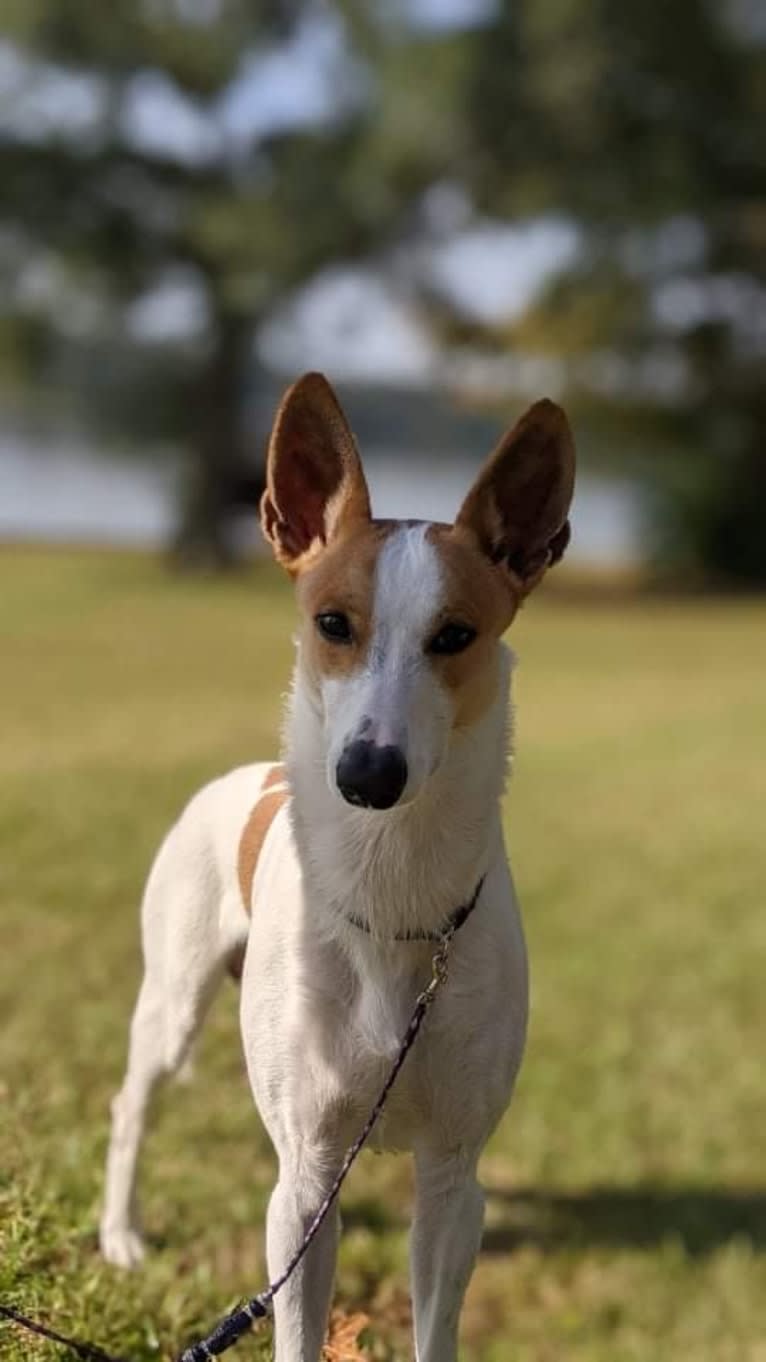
column 335, row 869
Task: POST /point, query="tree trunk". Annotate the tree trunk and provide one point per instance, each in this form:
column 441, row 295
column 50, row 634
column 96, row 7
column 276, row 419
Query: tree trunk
column 216, row 401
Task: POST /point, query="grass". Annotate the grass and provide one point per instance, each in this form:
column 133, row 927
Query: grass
column 626, row 1193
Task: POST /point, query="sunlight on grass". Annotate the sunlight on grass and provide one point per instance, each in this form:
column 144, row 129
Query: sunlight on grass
column 626, row 1203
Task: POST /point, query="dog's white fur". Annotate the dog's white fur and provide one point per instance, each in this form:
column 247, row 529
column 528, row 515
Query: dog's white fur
column 324, row 1004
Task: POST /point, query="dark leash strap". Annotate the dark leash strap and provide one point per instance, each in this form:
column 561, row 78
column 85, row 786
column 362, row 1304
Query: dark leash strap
column 240, row 1321
column 89, row 1352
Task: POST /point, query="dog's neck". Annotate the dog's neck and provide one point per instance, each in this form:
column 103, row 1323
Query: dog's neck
column 404, row 871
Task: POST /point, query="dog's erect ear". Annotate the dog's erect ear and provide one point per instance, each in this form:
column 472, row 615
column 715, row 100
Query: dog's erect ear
column 315, row 487
column 517, row 508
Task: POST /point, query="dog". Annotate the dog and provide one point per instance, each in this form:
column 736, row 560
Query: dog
column 325, row 879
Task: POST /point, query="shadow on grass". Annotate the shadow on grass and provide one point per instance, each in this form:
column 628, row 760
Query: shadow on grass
column 702, row 1219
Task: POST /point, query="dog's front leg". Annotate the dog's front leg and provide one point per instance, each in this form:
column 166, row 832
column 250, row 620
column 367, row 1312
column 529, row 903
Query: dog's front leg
column 446, row 1233
column 302, row 1306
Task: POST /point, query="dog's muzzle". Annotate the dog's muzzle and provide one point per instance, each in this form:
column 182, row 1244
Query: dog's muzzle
column 370, row 776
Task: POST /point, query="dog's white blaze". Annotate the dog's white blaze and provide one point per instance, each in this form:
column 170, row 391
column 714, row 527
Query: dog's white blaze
column 409, row 587
column 409, row 584
column 394, row 698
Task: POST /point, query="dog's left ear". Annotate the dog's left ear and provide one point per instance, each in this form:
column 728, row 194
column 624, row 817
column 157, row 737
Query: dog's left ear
column 517, row 509
column 315, row 487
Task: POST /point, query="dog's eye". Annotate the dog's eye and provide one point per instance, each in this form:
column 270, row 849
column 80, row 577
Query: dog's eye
column 452, row 638
column 334, row 626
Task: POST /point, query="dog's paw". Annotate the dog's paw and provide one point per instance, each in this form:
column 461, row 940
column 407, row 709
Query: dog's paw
column 122, row 1247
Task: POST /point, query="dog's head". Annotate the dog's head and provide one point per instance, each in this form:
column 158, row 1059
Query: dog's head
column 402, row 619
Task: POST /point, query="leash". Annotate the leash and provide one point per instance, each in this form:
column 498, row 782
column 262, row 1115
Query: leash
column 240, row 1321
column 89, row 1352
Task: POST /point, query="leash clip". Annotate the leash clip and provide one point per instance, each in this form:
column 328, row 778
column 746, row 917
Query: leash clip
column 439, row 969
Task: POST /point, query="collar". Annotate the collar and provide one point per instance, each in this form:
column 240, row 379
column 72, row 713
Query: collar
column 449, row 927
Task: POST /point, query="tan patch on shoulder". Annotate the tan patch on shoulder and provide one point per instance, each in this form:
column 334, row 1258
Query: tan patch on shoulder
column 344, row 580
column 274, row 793
column 477, row 594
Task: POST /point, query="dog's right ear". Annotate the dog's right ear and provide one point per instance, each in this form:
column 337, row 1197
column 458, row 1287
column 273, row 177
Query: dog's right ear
column 315, row 487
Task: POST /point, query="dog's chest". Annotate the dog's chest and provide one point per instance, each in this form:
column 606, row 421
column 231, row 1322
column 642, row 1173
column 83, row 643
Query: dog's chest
column 381, row 1009
column 378, row 1019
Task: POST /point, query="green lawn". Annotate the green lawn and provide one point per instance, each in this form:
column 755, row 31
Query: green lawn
column 627, row 1187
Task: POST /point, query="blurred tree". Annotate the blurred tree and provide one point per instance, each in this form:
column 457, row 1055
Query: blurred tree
column 180, row 151
column 643, row 125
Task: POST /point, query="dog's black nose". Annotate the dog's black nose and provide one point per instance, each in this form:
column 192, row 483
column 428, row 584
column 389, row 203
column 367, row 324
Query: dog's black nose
column 371, row 776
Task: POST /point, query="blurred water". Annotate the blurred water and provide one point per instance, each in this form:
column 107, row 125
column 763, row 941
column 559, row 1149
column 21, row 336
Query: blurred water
column 72, row 495
column 606, row 518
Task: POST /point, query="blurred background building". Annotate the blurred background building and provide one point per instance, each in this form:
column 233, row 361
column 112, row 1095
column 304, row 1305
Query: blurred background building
column 450, row 206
